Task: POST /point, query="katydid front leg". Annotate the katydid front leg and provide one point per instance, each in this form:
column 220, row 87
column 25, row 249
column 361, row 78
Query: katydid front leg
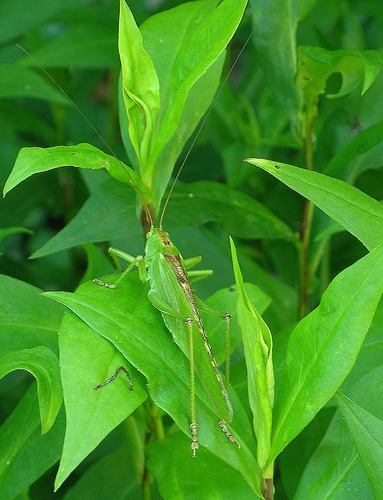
column 133, row 261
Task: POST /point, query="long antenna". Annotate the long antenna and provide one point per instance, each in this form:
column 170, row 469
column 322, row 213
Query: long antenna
column 201, row 127
column 90, row 124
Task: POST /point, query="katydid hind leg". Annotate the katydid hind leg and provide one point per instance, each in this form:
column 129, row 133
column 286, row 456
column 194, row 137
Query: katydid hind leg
column 193, row 423
column 223, row 423
column 226, row 317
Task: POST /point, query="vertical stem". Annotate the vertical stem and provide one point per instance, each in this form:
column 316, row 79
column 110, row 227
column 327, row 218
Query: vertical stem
column 268, row 489
column 228, row 345
column 155, row 427
column 146, row 476
column 306, row 223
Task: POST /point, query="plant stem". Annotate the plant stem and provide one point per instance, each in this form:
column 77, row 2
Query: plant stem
column 268, row 490
column 155, row 427
column 146, row 484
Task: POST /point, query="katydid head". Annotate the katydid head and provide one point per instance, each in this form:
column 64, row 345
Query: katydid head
column 158, row 241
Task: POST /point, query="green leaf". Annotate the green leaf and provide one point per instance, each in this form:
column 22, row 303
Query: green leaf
column 86, row 360
column 239, row 214
column 275, row 23
column 26, row 319
column 316, row 64
column 35, row 160
column 25, row 454
column 97, row 263
column 257, row 344
column 204, row 42
column 335, row 468
column 367, row 433
column 126, row 318
column 371, row 353
column 43, row 365
column 347, row 163
column 323, row 347
column 197, row 103
column 108, row 214
column 206, row 477
column 360, row 214
column 140, row 86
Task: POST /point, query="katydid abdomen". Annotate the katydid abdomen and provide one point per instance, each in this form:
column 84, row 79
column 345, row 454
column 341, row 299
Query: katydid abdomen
column 171, row 293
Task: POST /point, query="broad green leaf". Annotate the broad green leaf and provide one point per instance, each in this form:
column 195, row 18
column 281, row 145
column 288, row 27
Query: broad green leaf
column 43, row 365
column 126, row 318
column 360, row 214
column 26, row 319
column 275, row 23
column 35, row 160
column 178, row 478
column 257, row 344
column 25, row 454
column 293, row 460
column 239, row 214
column 197, row 103
column 139, row 85
column 316, row 64
column 324, row 346
column 347, row 163
column 16, row 81
column 371, row 353
column 367, row 433
column 108, row 214
column 200, row 49
column 86, row 360
column 335, row 468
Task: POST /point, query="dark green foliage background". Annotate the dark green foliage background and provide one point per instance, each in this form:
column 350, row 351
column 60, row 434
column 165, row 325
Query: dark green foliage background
column 254, row 116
